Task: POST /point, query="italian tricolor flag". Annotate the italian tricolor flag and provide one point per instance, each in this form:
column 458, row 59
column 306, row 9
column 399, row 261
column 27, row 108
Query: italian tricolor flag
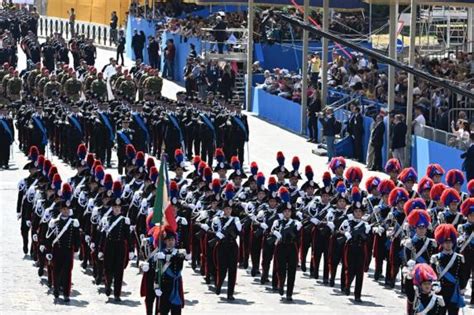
column 163, row 214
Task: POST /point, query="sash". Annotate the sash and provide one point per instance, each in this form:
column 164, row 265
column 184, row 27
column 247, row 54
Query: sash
column 229, row 221
column 7, row 129
column 124, row 137
column 208, row 123
column 41, row 127
column 456, row 219
column 113, row 225
column 75, row 123
column 142, row 125
column 109, row 126
column 175, row 297
column 65, row 227
column 174, row 121
column 428, row 308
column 467, row 242
column 242, row 126
column 422, row 250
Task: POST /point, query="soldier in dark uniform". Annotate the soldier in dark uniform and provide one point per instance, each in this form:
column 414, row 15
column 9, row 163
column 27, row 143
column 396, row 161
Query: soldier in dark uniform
column 173, row 134
column 115, row 244
column 227, row 229
column 104, row 134
column 139, row 125
column 99, row 88
column 207, row 136
column 38, row 132
column 75, row 132
column 424, row 298
column 394, row 222
column 356, row 231
column 239, row 131
column 124, row 138
column 169, row 288
column 451, row 200
column 26, row 195
column 466, row 240
column 7, row 136
column 286, row 232
column 450, row 268
column 63, row 237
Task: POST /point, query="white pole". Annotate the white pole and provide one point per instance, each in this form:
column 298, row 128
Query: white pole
column 325, row 55
column 470, row 30
column 304, row 71
column 411, row 81
column 448, row 32
column 370, row 21
column 249, row 55
column 392, row 52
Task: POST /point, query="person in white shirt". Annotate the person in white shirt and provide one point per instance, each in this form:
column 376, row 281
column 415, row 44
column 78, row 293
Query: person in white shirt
column 419, row 121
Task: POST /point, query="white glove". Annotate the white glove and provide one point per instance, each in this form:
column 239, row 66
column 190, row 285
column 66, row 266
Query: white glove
column 277, row 234
column 49, row 257
column 158, row 292
column 51, row 224
column 263, row 225
column 348, row 235
column 187, row 257
column 144, row 240
column 205, row 227
column 411, row 264
column 463, row 291
column 183, row 221
column 331, row 226
column 100, row 256
column 380, row 230
column 132, row 228
column 160, row 255
column 299, row 214
column 220, row 235
column 315, row 221
column 42, row 248
column 87, row 238
column 18, row 216
column 145, row 267
column 28, row 223
column 35, row 237
column 131, row 255
column 252, row 217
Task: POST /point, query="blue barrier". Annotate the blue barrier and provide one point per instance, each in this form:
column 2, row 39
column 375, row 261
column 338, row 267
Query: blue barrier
column 275, row 109
column 425, row 152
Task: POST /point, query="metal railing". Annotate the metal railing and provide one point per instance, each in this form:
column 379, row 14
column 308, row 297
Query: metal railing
column 443, row 137
column 101, row 34
column 453, row 113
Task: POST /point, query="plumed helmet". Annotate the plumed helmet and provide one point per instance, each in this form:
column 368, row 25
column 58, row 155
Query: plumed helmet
column 46, row 167
column 99, row 173
column 280, row 158
column 216, row 186
column 434, row 169
column 470, row 187
column 425, row 183
column 33, row 153
column 254, row 168
column 393, row 165
column 408, row 175
column 436, row 191
column 414, row 203
column 386, row 186
column 419, row 218
column 81, row 151
column 174, row 191
column 153, row 174
column 179, row 158
column 454, row 177
column 326, row 179
column 337, row 162
column 372, row 183
column 196, row 161
column 446, row 232
column 467, row 207
column 397, row 195
column 130, row 151
column 449, row 196
column 107, row 182
column 423, row 273
column 150, row 162
column 353, row 173
column 56, row 182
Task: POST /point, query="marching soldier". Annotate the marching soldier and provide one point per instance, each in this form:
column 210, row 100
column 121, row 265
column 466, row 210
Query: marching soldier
column 141, row 133
column 226, row 228
column 451, row 200
column 286, row 231
column 99, row 88
column 124, row 139
column 52, row 89
column 455, row 179
column 449, row 267
column 104, row 134
column 115, row 244
column 356, row 231
column 239, row 131
column 7, row 136
column 63, row 237
column 73, row 87
column 466, row 240
column 14, row 87
column 75, row 132
column 421, row 291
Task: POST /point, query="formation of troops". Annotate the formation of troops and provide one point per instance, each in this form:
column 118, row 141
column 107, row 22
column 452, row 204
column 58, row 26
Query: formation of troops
column 228, row 219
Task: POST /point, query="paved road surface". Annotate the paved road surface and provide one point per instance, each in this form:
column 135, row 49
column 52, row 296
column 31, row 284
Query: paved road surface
column 22, row 292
